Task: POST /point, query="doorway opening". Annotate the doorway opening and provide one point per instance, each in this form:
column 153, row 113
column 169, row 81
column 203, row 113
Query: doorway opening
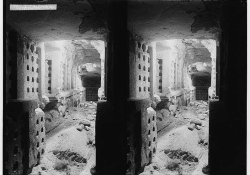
column 73, row 83
column 185, row 81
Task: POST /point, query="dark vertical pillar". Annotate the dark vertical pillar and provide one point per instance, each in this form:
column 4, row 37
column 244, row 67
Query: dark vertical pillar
column 118, row 53
column 24, row 137
column 12, row 63
column 217, row 69
column 228, row 116
column 105, row 69
column 111, row 115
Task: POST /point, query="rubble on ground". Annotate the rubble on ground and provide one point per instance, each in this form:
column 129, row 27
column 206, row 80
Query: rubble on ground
column 182, row 145
column 64, row 134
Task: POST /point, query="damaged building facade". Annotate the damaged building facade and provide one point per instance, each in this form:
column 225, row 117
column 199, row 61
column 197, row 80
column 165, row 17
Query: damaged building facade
column 122, row 55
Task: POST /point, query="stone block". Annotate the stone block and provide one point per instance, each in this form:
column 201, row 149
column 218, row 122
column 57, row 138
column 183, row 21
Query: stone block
column 142, row 134
column 110, row 138
column 24, row 136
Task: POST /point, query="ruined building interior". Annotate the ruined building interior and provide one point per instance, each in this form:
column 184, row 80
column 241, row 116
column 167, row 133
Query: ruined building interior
column 125, row 87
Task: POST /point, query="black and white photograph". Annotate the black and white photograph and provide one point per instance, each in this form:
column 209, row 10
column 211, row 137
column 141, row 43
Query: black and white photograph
column 124, row 87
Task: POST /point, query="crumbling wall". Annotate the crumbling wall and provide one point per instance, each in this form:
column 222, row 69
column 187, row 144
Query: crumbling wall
column 76, row 79
column 72, row 98
column 174, row 74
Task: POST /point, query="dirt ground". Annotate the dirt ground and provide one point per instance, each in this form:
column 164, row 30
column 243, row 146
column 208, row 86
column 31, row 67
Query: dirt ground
column 182, row 144
column 70, row 142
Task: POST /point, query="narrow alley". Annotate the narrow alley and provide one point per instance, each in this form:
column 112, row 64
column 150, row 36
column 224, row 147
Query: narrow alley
column 183, row 140
column 135, row 87
column 70, row 142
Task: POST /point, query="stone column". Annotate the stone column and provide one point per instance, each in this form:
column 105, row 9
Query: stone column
column 213, row 77
column 211, row 46
column 112, row 113
column 166, row 68
column 41, row 69
column 25, row 142
column 153, row 64
column 217, row 68
column 102, row 57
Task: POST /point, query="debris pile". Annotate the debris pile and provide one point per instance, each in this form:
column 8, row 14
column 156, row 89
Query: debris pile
column 70, row 156
column 183, row 156
column 182, row 144
column 70, row 142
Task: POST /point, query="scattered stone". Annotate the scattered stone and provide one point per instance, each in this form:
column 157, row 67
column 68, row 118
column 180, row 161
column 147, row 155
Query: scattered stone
column 165, row 113
column 205, row 169
column 86, row 128
column 172, row 113
column 146, row 173
column 158, row 162
column 148, row 168
column 80, row 128
column 61, row 166
column 43, row 168
column 155, row 167
column 196, row 122
column 157, row 99
column 201, row 117
column 198, row 127
column 200, row 141
column 93, row 171
column 159, row 115
column 85, row 123
column 64, row 102
column 62, row 110
column 205, row 103
column 173, row 108
column 173, row 165
column 153, row 105
column 179, row 115
column 45, row 99
column 68, row 155
column 166, row 151
column 206, row 112
column 81, row 105
column 191, row 126
column 162, row 105
column 203, row 137
column 153, row 172
column 90, row 117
